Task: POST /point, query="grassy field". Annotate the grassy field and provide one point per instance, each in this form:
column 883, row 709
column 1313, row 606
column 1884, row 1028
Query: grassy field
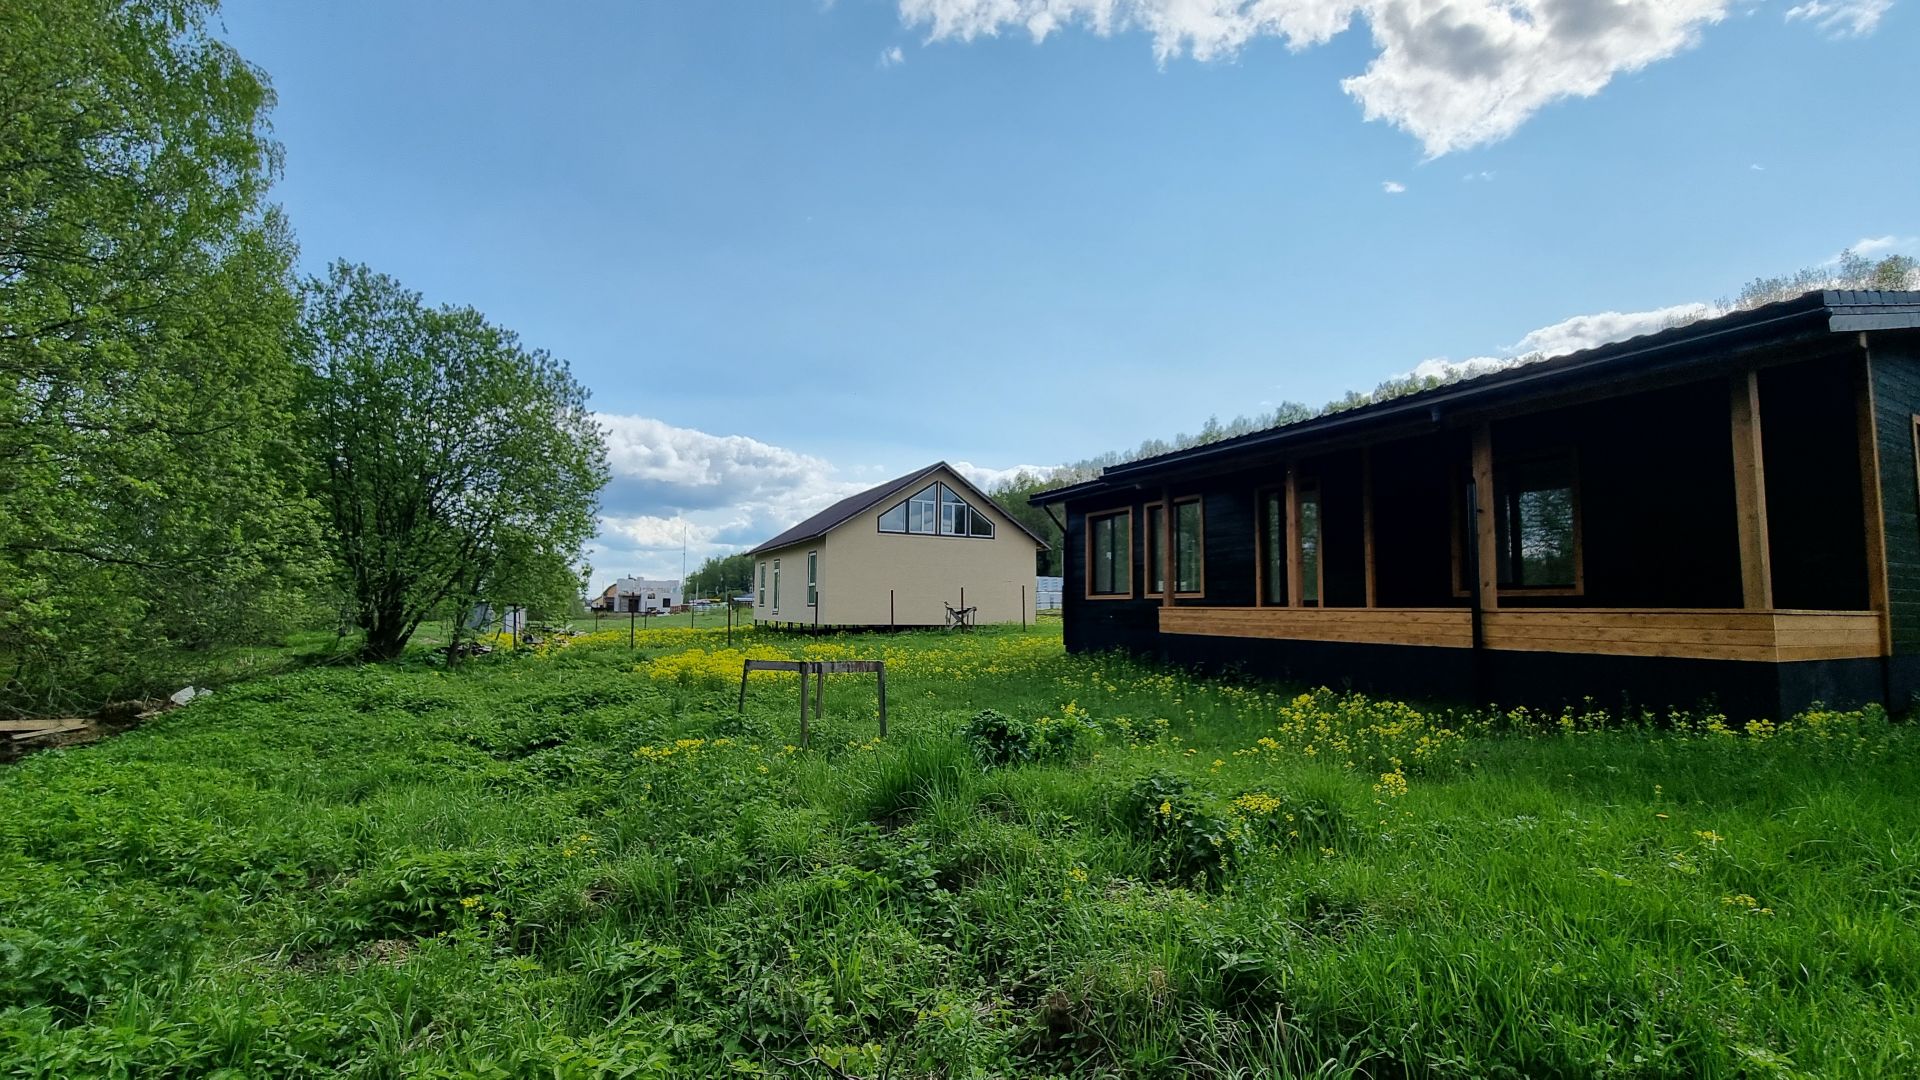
column 581, row 862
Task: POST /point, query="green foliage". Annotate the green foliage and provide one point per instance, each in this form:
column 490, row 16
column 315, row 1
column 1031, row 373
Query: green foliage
column 456, row 464
column 150, row 508
column 997, row 739
column 551, row 863
column 1190, row 842
column 722, row 577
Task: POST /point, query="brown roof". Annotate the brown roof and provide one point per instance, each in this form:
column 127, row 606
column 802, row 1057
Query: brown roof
column 854, row 505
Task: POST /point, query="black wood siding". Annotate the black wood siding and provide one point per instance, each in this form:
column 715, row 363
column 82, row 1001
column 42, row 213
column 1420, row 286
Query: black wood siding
column 1809, row 429
column 1896, row 395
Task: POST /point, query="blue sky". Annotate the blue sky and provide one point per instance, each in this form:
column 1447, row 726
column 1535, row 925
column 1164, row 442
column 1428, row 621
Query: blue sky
column 797, row 247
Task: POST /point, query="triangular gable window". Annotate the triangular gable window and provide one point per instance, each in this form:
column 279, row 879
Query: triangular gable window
column 936, row 509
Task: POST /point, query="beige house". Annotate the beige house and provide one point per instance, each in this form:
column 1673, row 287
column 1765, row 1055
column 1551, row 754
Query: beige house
column 901, row 554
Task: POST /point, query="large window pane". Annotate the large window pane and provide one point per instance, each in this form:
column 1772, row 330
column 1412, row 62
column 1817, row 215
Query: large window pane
column 1109, row 551
column 1187, row 548
column 894, row 520
column 1310, row 546
column 1156, row 544
column 1273, row 536
column 1535, row 528
column 923, row 511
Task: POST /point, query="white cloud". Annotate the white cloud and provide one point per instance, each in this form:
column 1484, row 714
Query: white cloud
column 892, row 56
column 1439, row 367
column 1566, row 336
column 986, row 477
column 1453, row 73
column 1392, row 187
column 1586, row 331
column 1757, row 167
column 1873, row 247
column 1842, row 18
column 1485, row 175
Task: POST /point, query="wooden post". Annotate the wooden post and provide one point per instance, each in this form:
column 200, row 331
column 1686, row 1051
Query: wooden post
column 1169, row 559
column 881, row 674
column 1870, row 497
column 1487, row 541
column 1023, row 607
column 803, row 705
column 1750, row 493
column 820, row 691
column 1296, row 567
column 631, row 616
column 744, row 668
column 1366, row 519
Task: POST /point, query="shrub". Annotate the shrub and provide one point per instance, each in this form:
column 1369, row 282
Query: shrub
column 1190, row 842
column 998, row 739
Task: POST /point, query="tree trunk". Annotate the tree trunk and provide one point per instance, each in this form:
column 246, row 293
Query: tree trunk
column 386, row 638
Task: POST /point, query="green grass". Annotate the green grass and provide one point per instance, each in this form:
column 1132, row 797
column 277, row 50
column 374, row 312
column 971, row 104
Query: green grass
column 559, row 864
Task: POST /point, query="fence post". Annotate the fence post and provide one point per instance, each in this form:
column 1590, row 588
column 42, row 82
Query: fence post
column 803, row 707
column 882, row 674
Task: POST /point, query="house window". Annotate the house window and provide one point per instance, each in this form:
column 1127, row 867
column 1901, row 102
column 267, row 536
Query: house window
column 1110, row 554
column 763, row 584
column 935, row 509
column 1273, row 547
column 776, row 586
column 813, row 578
column 1535, row 530
column 1189, row 548
column 1536, row 525
column 1310, row 545
column 1156, row 548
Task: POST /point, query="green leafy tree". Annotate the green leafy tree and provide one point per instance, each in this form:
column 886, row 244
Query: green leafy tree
column 148, row 510
column 1012, row 495
column 452, row 460
column 722, row 577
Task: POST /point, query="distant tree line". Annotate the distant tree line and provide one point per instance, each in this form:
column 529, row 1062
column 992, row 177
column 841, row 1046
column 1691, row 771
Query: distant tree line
column 721, row 577
column 198, row 449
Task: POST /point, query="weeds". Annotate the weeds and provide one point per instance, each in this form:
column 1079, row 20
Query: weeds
column 578, row 860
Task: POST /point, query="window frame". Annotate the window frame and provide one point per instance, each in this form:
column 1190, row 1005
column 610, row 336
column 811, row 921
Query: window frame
column 1199, row 547
column 1462, row 588
column 1307, row 489
column 1916, row 463
column 1152, row 541
column 763, row 584
column 813, row 578
column 1262, row 544
column 942, row 491
column 776, row 587
column 1127, row 592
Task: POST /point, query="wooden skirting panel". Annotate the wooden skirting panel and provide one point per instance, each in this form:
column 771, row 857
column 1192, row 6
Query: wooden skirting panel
column 1449, row 628
column 1770, row 636
column 1707, row 635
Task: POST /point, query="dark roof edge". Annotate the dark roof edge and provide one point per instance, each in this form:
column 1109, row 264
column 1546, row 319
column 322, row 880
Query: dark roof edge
column 1061, row 494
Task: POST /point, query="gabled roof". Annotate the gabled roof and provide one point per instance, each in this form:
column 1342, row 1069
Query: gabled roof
column 854, row 505
column 1819, row 312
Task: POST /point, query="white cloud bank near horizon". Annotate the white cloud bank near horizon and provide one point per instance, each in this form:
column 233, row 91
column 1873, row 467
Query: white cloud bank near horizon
column 1452, row 73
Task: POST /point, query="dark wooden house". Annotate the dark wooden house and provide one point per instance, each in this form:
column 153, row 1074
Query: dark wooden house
column 1723, row 512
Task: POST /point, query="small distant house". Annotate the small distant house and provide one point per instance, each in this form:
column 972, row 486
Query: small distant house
column 904, row 553
column 639, row 595
column 1723, row 511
